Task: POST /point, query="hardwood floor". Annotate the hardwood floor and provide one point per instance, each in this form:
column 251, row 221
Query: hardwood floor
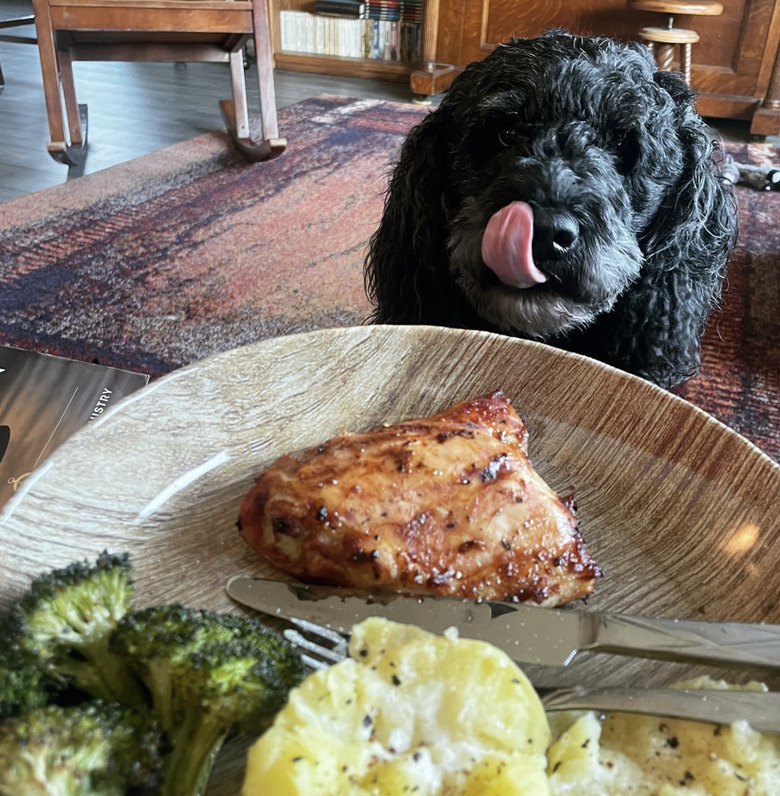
column 136, row 108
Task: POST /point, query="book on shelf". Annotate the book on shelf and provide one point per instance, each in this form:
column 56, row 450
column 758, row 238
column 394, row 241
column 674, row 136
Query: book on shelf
column 43, row 400
column 353, row 5
column 361, row 9
column 383, row 9
column 350, row 36
column 347, row 8
column 412, row 11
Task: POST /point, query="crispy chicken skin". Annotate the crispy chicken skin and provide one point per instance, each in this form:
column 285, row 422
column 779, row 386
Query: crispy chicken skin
column 448, row 504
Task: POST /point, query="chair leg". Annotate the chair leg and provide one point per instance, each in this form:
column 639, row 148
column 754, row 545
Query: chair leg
column 72, row 110
column 265, row 69
column 59, row 147
column 235, row 112
column 240, row 104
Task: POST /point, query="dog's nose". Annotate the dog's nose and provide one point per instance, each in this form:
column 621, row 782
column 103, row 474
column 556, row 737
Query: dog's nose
column 555, row 233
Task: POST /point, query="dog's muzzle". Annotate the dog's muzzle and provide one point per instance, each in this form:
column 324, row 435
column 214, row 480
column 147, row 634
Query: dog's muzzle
column 516, row 238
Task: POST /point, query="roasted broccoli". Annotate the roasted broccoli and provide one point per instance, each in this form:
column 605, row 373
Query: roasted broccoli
column 206, row 673
column 23, row 684
column 64, row 620
column 200, row 673
column 94, row 749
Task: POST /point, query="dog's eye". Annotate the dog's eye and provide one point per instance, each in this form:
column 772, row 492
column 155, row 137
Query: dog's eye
column 507, row 135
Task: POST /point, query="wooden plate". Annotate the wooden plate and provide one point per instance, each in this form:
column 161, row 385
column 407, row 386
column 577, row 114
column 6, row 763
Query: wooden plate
column 680, row 511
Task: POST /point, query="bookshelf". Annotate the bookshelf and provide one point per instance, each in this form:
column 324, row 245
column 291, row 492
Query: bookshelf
column 303, row 40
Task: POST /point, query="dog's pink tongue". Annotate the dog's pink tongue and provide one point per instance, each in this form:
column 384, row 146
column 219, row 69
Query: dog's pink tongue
column 506, row 246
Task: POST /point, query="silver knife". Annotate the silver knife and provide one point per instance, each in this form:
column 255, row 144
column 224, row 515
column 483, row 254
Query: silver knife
column 760, row 709
column 527, row 633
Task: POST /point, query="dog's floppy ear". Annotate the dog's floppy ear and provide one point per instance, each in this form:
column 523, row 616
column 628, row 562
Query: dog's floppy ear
column 406, row 265
column 659, row 322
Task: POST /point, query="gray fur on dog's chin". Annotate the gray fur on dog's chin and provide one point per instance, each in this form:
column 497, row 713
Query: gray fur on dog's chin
column 564, row 124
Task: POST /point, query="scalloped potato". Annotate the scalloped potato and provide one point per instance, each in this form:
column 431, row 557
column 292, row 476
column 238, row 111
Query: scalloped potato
column 409, row 712
column 629, row 754
column 412, row 713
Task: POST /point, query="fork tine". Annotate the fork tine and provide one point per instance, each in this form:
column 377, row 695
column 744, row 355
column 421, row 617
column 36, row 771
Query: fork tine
column 303, row 643
column 333, row 636
column 313, row 663
column 294, row 637
column 321, row 656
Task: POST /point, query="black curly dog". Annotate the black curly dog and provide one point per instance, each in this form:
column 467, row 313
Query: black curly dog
column 565, row 190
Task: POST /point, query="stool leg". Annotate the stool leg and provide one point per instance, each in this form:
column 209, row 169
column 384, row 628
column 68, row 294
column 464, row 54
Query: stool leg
column 665, row 57
column 685, row 58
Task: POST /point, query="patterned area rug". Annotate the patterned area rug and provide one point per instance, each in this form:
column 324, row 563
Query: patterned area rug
column 739, row 382
column 169, row 258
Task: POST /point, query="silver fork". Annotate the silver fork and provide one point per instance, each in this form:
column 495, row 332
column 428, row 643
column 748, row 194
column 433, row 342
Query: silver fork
column 321, row 647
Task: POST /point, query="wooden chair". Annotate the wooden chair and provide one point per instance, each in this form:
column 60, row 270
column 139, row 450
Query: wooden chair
column 154, row 30
column 662, row 41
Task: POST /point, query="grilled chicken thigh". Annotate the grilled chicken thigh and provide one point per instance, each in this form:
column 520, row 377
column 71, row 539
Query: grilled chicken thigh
column 448, row 504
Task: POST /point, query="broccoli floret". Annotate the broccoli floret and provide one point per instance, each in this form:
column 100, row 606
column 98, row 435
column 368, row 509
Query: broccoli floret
column 207, row 673
column 94, row 749
column 65, row 618
column 23, row 684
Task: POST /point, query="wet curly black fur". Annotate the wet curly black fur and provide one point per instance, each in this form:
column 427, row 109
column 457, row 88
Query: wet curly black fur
column 584, row 126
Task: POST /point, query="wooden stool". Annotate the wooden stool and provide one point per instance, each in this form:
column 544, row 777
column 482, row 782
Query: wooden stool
column 662, row 41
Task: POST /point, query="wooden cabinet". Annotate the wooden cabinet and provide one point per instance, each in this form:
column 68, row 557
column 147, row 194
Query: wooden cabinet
column 735, row 72
column 735, row 64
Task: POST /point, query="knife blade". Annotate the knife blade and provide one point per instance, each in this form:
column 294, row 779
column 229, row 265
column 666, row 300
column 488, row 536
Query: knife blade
column 761, row 709
column 527, row 633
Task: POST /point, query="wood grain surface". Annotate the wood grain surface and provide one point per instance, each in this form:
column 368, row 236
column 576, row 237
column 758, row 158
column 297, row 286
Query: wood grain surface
column 680, row 511
column 733, row 63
